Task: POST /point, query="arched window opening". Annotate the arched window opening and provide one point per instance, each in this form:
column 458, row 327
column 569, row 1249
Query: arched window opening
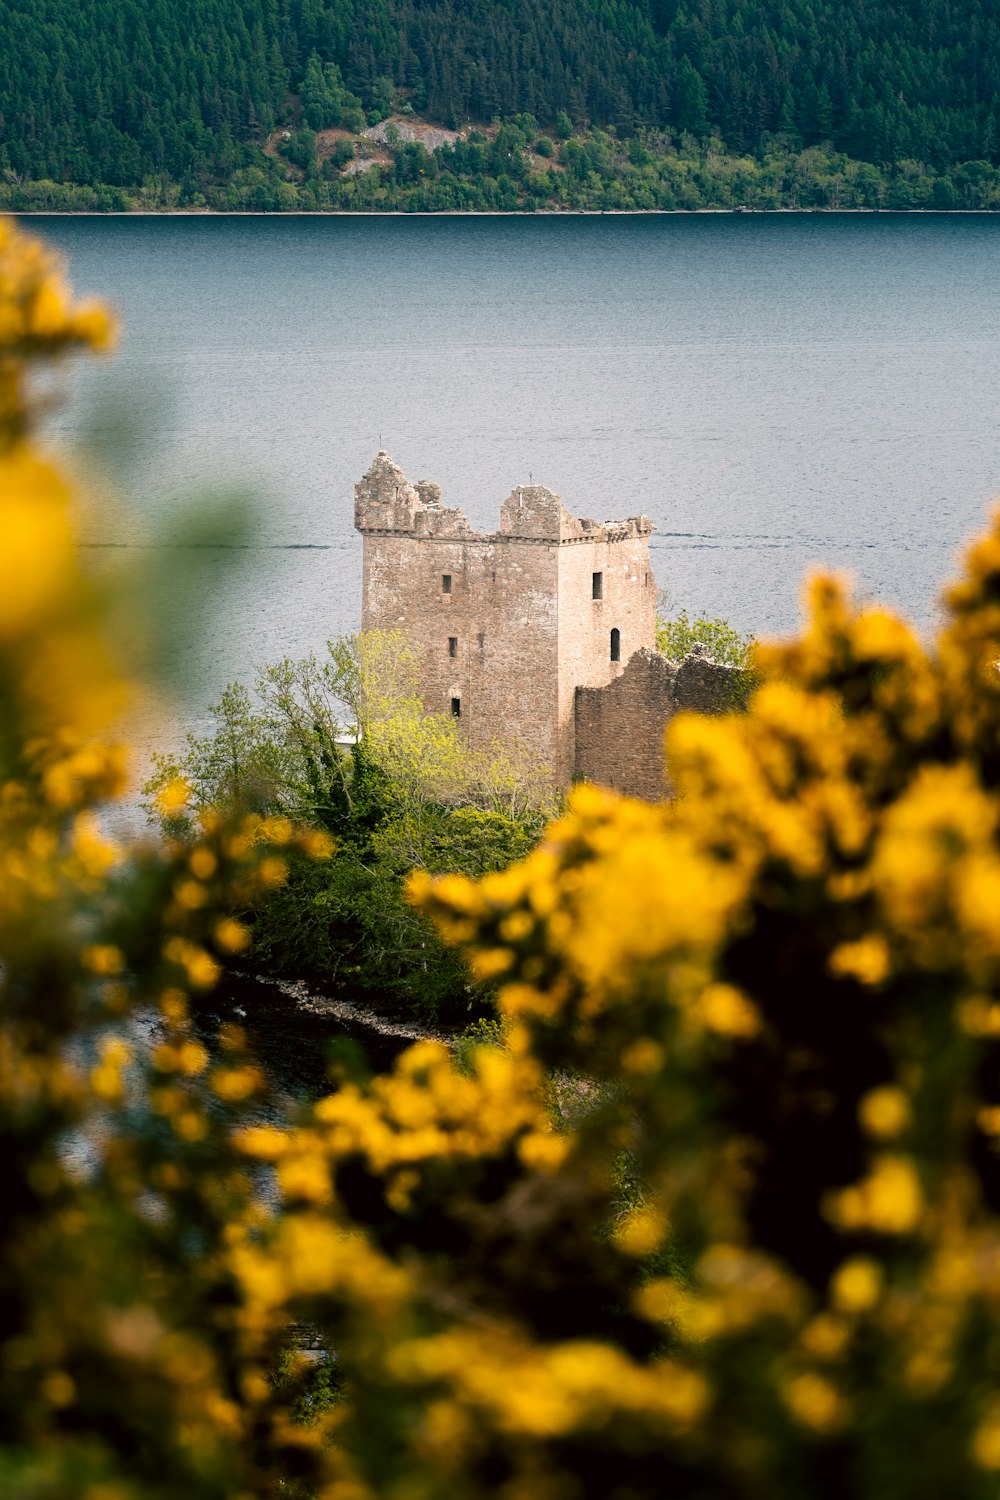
column 616, row 645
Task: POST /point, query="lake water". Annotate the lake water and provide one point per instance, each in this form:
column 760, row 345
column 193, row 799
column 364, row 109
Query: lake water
column 774, row 392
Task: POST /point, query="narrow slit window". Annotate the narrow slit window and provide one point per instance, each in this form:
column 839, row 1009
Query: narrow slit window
column 456, row 708
column 598, row 586
column 616, row 645
column 453, row 645
column 446, row 583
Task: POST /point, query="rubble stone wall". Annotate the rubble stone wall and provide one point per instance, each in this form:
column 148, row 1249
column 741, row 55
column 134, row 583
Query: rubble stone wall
column 620, row 727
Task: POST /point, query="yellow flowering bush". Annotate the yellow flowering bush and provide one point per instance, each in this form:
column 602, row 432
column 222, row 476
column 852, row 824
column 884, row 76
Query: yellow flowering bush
column 719, row 1218
column 120, row 1190
column 792, row 975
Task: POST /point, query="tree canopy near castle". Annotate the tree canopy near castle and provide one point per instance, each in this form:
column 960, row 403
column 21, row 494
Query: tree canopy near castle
column 96, row 92
column 716, row 1213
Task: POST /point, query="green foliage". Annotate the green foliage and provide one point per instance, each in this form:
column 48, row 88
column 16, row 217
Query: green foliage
column 307, row 1388
column 341, row 743
column 325, row 100
column 691, row 108
column 347, row 926
column 342, row 153
column 318, row 107
column 679, row 633
column 299, row 148
column 414, row 162
column 380, row 98
column 101, row 96
column 596, row 171
column 485, row 1031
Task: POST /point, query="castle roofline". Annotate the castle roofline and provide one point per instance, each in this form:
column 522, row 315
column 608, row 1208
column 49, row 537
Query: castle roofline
column 385, row 501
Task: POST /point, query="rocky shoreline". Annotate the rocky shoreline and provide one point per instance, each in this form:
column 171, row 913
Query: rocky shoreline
column 346, row 1012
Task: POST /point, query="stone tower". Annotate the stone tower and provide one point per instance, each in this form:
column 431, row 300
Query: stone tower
column 507, row 626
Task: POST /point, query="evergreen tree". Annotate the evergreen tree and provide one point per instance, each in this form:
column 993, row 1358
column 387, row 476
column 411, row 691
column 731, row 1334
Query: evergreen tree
column 121, row 93
column 318, row 107
column 691, row 111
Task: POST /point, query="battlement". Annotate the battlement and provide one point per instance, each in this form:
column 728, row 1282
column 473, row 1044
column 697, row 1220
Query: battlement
column 386, row 502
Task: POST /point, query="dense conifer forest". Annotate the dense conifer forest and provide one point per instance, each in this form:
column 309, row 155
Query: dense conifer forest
column 118, row 96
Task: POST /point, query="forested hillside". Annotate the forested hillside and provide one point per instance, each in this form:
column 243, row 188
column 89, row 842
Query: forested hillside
column 119, row 92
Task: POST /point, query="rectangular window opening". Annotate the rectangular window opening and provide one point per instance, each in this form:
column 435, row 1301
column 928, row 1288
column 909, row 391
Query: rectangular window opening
column 456, row 708
column 446, row 583
column 453, row 645
column 598, row 586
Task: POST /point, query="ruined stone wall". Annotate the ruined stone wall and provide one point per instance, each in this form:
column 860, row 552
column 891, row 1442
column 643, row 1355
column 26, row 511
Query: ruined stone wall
column 620, row 727
column 628, row 605
column 499, row 618
column 499, row 609
column 516, row 608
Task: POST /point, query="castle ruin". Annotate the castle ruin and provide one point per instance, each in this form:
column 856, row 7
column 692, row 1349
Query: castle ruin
column 543, row 631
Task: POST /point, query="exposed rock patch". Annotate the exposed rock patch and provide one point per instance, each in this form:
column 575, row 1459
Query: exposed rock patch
column 432, row 137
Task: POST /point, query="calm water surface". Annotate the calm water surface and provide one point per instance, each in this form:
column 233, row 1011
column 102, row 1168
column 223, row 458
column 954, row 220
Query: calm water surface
column 774, row 392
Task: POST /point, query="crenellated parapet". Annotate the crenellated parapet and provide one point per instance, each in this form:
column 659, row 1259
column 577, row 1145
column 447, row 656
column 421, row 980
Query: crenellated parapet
column 532, row 512
column 386, row 501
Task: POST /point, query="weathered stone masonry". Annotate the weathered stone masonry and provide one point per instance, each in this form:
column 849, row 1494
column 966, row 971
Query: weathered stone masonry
column 620, row 728
column 521, row 632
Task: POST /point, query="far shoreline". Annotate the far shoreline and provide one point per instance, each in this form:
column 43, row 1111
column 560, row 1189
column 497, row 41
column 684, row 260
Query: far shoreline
column 487, row 213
